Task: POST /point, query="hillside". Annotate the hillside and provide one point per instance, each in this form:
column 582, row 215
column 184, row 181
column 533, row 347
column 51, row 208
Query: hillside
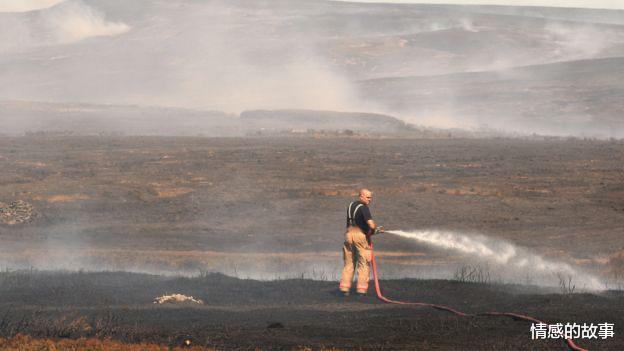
column 583, row 98
column 242, row 55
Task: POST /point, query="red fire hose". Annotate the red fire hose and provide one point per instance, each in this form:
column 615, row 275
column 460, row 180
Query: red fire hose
column 515, row 316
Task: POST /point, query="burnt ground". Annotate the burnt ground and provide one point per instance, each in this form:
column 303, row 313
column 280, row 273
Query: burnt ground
column 107, row 202
column 273, row 208
column 288, row 314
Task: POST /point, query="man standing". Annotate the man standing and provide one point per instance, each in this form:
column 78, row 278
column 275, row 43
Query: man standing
column 356, row 249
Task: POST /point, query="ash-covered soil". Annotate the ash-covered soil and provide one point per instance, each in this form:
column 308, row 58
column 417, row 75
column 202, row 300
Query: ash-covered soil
column 288, row 314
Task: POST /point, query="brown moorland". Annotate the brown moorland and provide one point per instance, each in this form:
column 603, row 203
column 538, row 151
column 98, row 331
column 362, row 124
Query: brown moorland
column 273, row 208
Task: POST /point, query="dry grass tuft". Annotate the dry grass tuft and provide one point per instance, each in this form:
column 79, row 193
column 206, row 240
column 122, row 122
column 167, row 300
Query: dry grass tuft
column 27, row 343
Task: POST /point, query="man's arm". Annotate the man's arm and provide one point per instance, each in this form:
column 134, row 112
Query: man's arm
column 372, row 228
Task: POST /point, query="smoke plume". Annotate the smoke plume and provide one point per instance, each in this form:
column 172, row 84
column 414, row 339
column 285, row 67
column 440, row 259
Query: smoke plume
column 65, row 23
column 26, row 5
column 76, row 21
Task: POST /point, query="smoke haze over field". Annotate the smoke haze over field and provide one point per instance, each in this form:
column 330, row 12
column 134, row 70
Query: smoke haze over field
column 470, row 67
column 497, row 260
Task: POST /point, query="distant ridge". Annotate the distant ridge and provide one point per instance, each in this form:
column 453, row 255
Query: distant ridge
column 20, row 117
column 310, row 119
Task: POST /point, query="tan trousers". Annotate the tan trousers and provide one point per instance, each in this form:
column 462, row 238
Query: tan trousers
column 356, row 252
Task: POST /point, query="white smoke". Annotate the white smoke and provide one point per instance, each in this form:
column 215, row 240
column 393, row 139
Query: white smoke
column 76, row 21
column 506, row 256
column 66, row 23
column 467, row 24
column 579, row 42
column 26, row 5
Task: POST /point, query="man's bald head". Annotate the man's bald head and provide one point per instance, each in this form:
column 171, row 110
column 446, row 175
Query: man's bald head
column 366, row 196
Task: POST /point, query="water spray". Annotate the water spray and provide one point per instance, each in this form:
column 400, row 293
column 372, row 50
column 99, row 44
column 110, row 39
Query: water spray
column 501, row 253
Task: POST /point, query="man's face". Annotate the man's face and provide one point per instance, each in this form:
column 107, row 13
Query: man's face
column 366, row 197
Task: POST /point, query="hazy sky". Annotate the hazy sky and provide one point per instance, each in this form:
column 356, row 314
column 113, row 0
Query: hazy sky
column 607, row 4
column 29, row 5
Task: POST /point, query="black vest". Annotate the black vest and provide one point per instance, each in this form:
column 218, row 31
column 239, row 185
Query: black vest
column 351, row 212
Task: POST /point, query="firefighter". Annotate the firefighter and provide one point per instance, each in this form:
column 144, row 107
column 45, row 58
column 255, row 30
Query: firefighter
column 356, row 249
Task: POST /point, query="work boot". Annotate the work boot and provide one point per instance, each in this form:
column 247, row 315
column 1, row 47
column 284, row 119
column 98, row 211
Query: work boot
column 361, row 293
